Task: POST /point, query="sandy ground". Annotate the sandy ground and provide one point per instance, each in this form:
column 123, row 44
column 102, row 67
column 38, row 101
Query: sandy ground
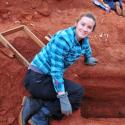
column 104, row 101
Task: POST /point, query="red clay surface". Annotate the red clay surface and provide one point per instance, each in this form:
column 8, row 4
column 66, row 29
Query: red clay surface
column 104, row 83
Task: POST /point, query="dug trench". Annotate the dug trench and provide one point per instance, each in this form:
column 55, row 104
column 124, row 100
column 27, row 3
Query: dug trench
column 103, row 83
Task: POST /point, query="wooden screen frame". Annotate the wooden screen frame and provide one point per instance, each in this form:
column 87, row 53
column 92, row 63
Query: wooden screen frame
column 8, row 45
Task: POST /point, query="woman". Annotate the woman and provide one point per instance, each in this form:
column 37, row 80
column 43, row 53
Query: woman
column 51, row 94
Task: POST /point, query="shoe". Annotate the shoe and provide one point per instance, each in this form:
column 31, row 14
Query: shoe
column 30, row 106
column 42, row 117
column 118, row 8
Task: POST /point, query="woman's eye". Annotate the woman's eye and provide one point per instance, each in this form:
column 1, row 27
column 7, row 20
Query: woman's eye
column 89, row 27
column 83, row 24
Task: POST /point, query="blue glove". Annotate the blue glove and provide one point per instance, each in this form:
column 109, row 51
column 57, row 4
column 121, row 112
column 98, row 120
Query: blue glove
column 66, row 107
column 91, row 61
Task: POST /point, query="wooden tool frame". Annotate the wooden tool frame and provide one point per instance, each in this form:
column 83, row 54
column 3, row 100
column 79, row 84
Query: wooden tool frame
column 7, row 44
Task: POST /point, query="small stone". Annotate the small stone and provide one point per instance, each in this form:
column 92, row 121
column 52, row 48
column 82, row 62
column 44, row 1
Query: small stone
column 6, row 3
column 76, row 75
column 11, row 120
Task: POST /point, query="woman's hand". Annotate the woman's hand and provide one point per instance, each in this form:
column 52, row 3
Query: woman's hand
column 65, row 105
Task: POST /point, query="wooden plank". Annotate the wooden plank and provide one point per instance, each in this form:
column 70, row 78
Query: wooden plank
column 38, row 41
column 17, row 54
column 12, row 30
column 47, row 38
column 7, row 52
column 2, row 41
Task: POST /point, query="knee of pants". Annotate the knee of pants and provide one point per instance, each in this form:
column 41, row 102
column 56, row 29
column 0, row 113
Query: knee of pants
column 76, row 97
column 80, row 91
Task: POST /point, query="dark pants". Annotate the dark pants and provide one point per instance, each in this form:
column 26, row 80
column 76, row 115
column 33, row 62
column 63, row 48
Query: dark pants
column 41, row 86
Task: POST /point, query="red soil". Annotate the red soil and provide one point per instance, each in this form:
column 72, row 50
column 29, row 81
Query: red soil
column 104, row 83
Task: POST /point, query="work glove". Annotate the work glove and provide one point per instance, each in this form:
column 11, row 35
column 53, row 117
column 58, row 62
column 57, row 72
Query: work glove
column 66, row 107
column 91, row 61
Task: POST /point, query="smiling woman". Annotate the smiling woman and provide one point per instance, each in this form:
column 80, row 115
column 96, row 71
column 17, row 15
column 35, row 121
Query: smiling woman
column 51, row 93
column 85, row 25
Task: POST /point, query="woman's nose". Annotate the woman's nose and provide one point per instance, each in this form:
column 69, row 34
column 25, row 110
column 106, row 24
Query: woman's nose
column 85, row 28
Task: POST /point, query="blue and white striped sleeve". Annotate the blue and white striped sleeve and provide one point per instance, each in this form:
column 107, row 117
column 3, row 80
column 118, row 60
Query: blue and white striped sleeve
column 88, row 50
column 59, row 49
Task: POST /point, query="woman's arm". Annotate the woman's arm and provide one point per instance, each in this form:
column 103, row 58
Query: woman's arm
column 58, row 50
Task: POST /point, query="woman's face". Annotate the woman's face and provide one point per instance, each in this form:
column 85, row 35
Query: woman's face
column 84, row 27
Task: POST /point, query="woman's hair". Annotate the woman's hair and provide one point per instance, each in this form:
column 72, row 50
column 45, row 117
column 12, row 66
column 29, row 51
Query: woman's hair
column 89, row 15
